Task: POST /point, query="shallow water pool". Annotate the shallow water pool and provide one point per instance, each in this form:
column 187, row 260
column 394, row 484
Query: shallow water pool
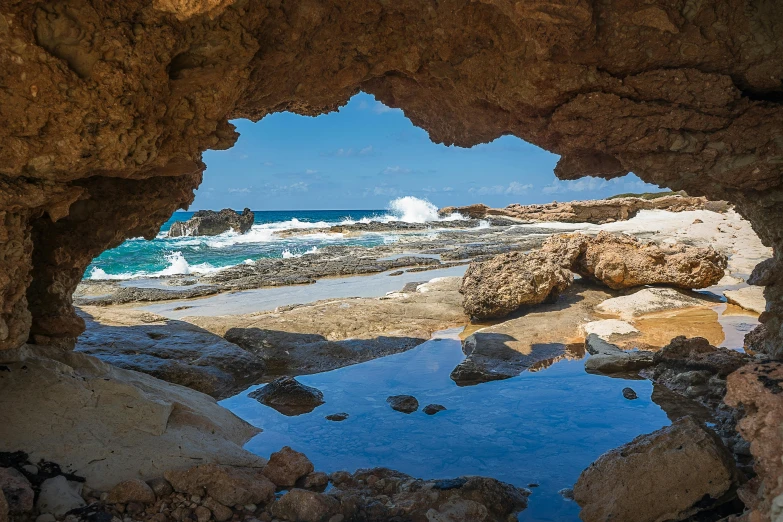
column 542, row 427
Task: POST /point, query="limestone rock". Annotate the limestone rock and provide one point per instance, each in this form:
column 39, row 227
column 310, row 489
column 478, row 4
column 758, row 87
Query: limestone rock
column 17, row 491
column 59, row 495
column 160, row 486
column 620, row 261
column 650, row 300
column 175, row 351
column 133, row 490
column 287, row 466
column 315, row 481
column 211, row 223
column 337, row 417
column 497, row 287
column 108, row 424
column 289, row 396
column 403, row 403
column 608, row 358
column 3, row 508
column 219, row 511
column 757, row 388
column 750, row 298
column 228, row 485
column 301, row 505
column 432, row 409
column 685, row 463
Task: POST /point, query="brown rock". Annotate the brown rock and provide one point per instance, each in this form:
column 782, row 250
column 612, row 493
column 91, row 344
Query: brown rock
column 211, row 223
column 621, row 261
column 219, row 511
column 289, row 396
column 203, row 514
column 230, row 486
column 757, row 388
column 18, row 491
column 403, row 403
column 3, row 507
column 287, row 466
column 133, row 490
column 316, row 481
column 669, row 474
column 497, row 287
column 160, row 487
column 300, row 505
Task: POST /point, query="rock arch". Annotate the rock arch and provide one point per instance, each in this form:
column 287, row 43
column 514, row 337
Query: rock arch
column 106, row 107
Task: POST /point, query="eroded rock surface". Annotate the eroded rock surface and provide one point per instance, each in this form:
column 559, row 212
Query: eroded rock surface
column 212, row 223
column 669, row 474
column 289, row 396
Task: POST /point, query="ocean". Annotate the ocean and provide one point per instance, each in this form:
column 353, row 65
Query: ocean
column 164, row 256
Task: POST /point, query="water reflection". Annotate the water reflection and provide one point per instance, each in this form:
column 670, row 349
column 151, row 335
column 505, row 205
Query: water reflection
column 539, row 427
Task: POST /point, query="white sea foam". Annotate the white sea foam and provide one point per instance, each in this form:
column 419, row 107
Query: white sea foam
column 287, row 254
column 177, row 265
column 416, row 210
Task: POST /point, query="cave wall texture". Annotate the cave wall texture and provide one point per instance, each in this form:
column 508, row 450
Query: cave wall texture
column 106, row 107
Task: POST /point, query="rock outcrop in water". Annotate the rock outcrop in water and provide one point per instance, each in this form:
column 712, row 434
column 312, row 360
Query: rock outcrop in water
column 497, row 287
column 289, row 396
column 669, row 474
column 211, row 223
column 597, row 211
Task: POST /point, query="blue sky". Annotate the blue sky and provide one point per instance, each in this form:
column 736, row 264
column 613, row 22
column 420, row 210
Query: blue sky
column 368, row 154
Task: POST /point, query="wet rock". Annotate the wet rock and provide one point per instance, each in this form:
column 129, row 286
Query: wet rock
column 608, row 358
column 403, row 403
column 175, row 351
column 287, row 466
column 432, row 409
column 758, row 388
column 621, row 261
column 567, row 493
column 3, row 508
column 750, row 298
column 315, row 481
column 337, row 417
column 133, row 490
column 228, row 485
column 685, row 463
column 650, row 300
column 59, row 495
column 381, row 494
column 497, row 287
column 288, row 396
column 471, row 372
column 300, row 505
column 629, row 394
column 17, row 490
column 137, row 424
column 212, row 223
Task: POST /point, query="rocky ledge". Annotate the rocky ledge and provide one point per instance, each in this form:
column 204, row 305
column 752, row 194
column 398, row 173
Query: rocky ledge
column 211, row 223
column 285, row 489
column 596, row 211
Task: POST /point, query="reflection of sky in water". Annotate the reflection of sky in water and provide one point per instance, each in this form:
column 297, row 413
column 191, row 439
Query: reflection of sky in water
column 542, row 427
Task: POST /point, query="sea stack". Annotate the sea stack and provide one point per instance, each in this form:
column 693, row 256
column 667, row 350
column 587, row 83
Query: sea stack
column 211, row 223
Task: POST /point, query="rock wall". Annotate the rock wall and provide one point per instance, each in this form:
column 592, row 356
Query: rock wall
column 106, row 107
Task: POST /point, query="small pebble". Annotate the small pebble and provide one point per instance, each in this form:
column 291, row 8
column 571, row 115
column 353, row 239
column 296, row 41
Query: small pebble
column 629, row 394
column 30, row 469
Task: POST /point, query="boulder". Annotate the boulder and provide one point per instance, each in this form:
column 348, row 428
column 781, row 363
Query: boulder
column 301, row 505
column 287, row 466
column 108, row 424
column 228, row 485
column 497, row 287
column 608, row 358
column 749, row 297
column 3, row 508
column 337, row 417
column 17, row 491
column 621, row 261
column 403, row 403
column 288, row 396
column 651, row 300
column 133, row 490
column 211, row 223
column 316, row 481
column 669, row 474
column 59, row 495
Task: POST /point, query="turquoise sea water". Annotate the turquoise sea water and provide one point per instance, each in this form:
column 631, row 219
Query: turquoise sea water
column 183, row 255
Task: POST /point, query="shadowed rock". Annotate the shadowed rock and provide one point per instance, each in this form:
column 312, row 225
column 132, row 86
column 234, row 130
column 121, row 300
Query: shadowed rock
column 403, row 403
column 288, row 396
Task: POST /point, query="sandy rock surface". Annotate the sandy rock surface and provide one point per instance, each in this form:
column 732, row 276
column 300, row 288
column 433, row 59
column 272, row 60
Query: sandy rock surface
column 750, row 298
column 110, row 424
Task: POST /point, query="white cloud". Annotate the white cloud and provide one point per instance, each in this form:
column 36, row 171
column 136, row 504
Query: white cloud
column 366, row 150
column 298, row 187
column 385, row 191
column 310, row 171
column 379, row 108
column 243, row 190
column 514, row 188
column 350, row 152
column 590, row 183
column 395, row 170
column 268, row 163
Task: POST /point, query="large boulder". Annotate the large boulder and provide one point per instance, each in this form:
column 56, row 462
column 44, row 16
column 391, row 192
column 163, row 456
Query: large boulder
column 301, row 505
column 287, row 466
column 669, row 474
column 228, row 485
column 609, row 358
column 17, row 490
column 621, row 261
column 289, row 396
column 497, row 287
column 211, row 223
